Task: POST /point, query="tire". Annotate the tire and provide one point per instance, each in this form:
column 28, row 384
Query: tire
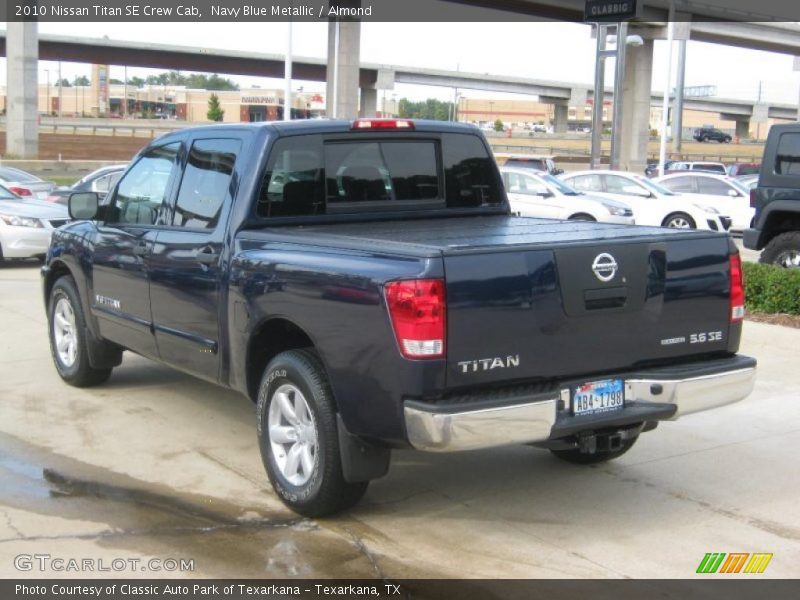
column 68, row 336
column 311, row 482
column 578, row 458
column 679, row 220
column 583, row 217
column 704, row 138
column 783, row 250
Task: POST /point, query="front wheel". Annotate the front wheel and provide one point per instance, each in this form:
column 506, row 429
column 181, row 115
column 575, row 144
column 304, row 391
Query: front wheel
column 575, row 456
column 783, row 251
column 582, row 217
column 68, row 337
column 679, row 221
column 298, row 437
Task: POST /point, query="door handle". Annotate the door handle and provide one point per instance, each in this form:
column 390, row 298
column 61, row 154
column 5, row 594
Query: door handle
column 140, row 249
column 207, row 256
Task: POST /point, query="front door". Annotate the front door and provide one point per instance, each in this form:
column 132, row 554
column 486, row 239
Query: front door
column 186, row 266
column 120, row 296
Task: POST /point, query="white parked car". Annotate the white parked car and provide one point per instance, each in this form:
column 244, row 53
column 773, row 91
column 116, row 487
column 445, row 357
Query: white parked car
column 726, row 194
column 652, row 203
column 541, row 195
column 26, row 225
column 25, row 184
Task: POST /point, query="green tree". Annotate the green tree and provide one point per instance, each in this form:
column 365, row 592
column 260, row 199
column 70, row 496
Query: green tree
column 82, row 80
column 429, row 109
column 115, row 81
column 215, row 112
column 64, row 82
column 498, row 125
column 136, row 81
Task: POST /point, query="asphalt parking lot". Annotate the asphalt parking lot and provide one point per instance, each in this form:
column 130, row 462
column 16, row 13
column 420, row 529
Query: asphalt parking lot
column 158, row 464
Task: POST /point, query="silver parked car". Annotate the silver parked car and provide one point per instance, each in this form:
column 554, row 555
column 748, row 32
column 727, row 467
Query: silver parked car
column 26, row 225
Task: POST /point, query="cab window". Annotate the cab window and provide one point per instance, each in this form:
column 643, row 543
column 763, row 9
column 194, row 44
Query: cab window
column 206, row 183
column 141, row 193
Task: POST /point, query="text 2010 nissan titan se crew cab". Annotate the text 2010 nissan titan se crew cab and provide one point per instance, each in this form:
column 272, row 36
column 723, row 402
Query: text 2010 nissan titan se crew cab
column 364, row 283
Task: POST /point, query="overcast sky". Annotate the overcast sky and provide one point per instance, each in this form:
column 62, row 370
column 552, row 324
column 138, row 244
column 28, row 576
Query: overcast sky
column 557, row 51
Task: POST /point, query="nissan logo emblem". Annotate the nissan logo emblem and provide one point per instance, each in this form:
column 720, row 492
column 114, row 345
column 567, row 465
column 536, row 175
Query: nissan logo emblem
column 604, row 267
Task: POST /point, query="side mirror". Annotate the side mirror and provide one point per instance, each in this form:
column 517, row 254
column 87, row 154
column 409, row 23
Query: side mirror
column 557, row 171
column 83, row 206
column 635, row 190
column 543, row 193
column 733, row 193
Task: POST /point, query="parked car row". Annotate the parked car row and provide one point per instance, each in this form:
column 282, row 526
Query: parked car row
column 32, row 208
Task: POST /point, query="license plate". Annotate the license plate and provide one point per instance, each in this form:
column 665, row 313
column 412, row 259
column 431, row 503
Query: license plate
column 598, row 397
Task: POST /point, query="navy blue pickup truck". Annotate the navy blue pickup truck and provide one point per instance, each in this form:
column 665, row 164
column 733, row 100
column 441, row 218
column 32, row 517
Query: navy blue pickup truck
column 364, row 283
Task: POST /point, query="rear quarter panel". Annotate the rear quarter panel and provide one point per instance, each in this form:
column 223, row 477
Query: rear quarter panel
column 336, row 297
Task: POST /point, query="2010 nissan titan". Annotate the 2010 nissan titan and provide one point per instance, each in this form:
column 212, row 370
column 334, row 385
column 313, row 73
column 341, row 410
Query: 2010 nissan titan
column 364, row 283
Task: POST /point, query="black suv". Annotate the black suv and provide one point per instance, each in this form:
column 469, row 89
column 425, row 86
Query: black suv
column 776, row 226
column 707, row 134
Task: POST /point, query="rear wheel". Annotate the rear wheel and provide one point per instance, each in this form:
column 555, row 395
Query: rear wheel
column 298, row 437
column 68, row 337
column 679, row 220
column 783, row 251
column 577, row 457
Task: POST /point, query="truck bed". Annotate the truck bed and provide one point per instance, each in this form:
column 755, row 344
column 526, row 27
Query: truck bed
column 468, row 235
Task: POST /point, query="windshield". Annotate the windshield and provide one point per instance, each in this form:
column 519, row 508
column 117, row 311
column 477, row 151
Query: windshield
column 654, row 187
column 562, row 187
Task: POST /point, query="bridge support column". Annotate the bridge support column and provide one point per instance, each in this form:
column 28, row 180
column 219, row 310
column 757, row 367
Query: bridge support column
column 344, row 57
column 743, row 129
column 560, row 118
column 369, row 103
column 636, row 91
column 22, row 116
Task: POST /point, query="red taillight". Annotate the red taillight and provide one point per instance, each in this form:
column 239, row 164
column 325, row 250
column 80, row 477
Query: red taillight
column 367, row 124
column 418, row 311
column 19, row 191
column 737, row 289
column 752, row 198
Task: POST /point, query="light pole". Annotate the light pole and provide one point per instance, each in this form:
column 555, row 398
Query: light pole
column 287, row 74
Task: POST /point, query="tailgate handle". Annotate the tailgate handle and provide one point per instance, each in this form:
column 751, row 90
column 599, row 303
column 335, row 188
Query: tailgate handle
column 615, row 297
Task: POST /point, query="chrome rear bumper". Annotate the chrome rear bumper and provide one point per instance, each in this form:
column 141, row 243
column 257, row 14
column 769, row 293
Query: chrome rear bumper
column 519, row 420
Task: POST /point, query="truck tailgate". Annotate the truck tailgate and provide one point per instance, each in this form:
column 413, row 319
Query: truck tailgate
column 582, row 306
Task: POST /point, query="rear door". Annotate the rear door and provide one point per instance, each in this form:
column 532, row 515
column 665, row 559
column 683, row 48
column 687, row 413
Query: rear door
column 123, row 248
column 186, row 267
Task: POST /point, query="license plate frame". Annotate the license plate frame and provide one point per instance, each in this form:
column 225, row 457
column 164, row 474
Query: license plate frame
column 598, row 397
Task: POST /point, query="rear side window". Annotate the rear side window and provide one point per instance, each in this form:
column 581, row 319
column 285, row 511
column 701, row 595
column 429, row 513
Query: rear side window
column 787, row 161
column 679, row 184
column 469, row 172
column 292, row 184
column 381, row 172
column 714, row 187
column 586, row 183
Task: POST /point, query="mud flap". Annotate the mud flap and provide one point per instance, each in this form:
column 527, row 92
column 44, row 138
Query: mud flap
column 361, row 461
column 102, row 354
